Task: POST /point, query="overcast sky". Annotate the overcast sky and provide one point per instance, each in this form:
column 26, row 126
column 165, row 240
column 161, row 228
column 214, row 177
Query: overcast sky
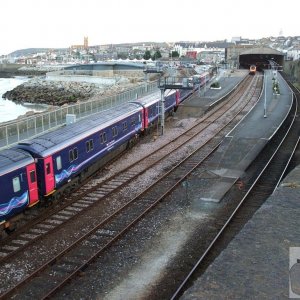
column 62, row 23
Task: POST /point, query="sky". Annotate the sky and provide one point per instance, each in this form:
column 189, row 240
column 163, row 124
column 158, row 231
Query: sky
column 62, row 23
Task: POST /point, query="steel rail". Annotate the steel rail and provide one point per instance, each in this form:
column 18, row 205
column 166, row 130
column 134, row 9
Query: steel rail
column 184, row 283
column 79, row 240
column 185, row 136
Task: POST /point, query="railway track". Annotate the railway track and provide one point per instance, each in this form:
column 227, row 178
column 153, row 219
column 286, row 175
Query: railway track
column 111, row 231
column 262, row 178
column 74, row 204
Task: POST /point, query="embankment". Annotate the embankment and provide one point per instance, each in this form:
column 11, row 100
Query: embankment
column 292, row 68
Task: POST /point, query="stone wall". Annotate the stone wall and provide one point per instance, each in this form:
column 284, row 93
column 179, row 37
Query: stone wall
column 292, row 68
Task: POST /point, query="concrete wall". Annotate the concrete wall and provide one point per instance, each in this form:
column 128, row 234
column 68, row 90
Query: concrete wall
column 10, row 67
column 106, row 77
column 87, row 77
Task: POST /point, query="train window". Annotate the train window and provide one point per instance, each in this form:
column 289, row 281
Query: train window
column 48, row 169
column 89, row 145
column 115, row 131
column 75, row 153
column 32, row 176
column 58, row 162
column 71, row 155
column 133, row 121
column 125, row 126
column 103, row 137
column 16, row 184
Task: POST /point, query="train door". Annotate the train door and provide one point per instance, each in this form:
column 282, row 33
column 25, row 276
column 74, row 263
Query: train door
column 49, row 175
column 32, row 184
column 177, row 97
column 146, row 117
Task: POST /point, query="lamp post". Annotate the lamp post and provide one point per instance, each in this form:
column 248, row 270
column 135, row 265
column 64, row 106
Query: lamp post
column 265, row 102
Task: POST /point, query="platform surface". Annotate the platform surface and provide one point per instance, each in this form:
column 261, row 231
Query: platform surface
column 242, row 145
column 261, row 261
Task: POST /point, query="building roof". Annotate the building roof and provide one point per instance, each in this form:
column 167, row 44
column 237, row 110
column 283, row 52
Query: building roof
column 261, row 50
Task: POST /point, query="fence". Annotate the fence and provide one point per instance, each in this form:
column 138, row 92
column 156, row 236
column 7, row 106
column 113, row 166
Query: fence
column 27, row 127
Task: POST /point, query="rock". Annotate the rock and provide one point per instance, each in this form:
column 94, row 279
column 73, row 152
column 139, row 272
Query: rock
column 58, row 93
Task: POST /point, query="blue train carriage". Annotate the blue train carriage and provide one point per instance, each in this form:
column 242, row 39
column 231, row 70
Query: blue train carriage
column 184, row 94
column 18, row 182
column 150, row 104
column 82, row 147
column 201, row 79
column 171, row 101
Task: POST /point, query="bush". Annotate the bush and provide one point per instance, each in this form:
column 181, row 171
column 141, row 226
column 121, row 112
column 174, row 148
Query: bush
column 215, row 85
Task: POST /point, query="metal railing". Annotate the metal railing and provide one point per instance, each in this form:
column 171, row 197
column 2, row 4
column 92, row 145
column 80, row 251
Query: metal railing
column 27, row 127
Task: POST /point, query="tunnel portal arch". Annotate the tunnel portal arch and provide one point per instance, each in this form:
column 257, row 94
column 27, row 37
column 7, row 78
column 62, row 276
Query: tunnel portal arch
column 260, row 57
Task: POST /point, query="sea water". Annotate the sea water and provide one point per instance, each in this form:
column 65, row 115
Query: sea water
column 10, row 110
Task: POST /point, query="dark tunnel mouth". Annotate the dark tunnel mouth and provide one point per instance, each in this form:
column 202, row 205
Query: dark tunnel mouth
column 261, row 61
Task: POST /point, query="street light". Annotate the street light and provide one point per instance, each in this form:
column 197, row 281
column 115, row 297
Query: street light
column 265, row 102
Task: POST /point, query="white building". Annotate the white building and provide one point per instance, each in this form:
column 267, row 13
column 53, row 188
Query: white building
column 294, row 53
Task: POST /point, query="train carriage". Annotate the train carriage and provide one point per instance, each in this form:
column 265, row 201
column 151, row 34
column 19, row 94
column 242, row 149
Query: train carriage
column 252, row 70
column 170, row 101
column 18, row 182
column 201, row 79
column 72, row 149
column 183, row 94
column 150, row 104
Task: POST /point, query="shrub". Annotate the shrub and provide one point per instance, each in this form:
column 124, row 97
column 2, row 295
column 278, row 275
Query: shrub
column 215, row 85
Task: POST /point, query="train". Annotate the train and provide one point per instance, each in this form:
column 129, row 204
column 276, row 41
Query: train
column 252, row 70
column 43, row 168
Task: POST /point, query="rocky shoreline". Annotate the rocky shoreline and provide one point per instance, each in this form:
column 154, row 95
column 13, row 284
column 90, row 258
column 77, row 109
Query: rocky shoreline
column 41, row 90
column 57, row 93
column 38, row 90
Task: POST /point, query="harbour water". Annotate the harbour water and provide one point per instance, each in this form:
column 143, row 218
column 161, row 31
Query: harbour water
column 10, row 110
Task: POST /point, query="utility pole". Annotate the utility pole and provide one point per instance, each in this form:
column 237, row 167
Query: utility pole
column 265, row 102
column 162, row 110
column 167, row 83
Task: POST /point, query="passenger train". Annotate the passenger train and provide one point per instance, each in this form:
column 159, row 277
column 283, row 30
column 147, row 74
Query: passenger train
column 252, row 70
column 43, row 167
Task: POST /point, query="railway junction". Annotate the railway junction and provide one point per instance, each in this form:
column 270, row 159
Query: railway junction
column 194, row 212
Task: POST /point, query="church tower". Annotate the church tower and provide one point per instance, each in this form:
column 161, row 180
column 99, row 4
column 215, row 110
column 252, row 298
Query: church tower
column 86, row 42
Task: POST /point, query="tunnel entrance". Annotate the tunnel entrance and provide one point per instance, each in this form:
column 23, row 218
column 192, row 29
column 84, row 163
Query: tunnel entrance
column 260, row 57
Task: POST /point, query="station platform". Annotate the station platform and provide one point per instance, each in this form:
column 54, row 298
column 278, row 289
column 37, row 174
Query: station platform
column 241, row 146
column 263, row 260
column 201, row 101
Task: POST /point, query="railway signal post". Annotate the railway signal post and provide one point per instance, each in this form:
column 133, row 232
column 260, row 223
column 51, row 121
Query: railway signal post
column 170, row 83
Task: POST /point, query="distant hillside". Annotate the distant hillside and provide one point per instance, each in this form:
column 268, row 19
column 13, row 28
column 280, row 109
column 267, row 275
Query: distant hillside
column 29, row 51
